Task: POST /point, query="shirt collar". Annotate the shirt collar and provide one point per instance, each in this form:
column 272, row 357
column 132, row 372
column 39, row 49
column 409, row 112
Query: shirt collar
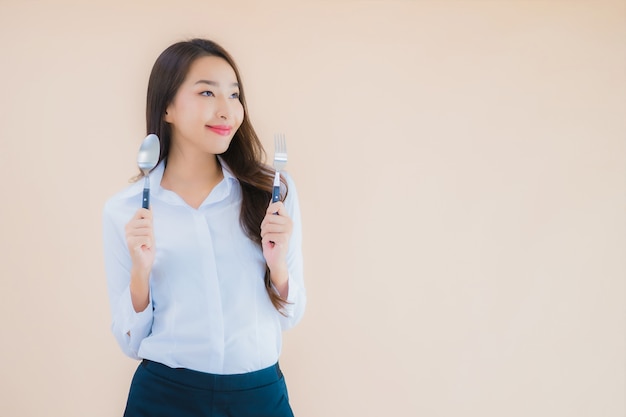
column 221, row 190
column 226, row 170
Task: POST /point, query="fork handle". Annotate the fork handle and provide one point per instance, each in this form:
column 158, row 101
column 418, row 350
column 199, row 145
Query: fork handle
column 276, row 189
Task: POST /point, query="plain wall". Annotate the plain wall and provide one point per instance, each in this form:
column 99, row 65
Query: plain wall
column 462, row 174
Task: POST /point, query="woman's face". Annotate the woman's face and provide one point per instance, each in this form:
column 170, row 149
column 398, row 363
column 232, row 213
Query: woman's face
column 206, row 112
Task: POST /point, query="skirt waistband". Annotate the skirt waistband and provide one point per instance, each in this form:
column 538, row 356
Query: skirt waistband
column 214, row 382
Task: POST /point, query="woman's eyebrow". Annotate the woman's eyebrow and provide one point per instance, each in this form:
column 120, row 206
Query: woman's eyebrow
column 213, row 83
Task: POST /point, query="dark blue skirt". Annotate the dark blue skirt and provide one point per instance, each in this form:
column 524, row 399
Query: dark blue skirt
column 160, row 391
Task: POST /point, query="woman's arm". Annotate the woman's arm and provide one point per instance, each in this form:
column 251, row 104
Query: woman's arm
column 130, row 322
column 281, row 232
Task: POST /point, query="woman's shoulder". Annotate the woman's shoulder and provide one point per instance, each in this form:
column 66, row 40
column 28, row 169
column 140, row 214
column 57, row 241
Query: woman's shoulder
column 291, row 199
column 289, row 178
column 125, row 200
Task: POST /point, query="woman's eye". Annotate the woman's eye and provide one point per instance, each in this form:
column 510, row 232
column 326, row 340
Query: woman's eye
column 207, row 93
column 234, row 95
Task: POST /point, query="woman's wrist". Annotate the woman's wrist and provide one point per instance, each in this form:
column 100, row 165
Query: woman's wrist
column 280, row 280
column 139, row 290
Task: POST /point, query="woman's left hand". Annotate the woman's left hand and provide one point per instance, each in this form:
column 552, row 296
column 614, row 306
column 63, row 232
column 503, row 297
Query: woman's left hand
column 276, row 230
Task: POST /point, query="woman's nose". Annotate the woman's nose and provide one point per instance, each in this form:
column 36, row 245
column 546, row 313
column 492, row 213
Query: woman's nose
column 223, row 109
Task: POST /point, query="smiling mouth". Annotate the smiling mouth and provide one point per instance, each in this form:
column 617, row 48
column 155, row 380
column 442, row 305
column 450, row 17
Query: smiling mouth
column 221, row 130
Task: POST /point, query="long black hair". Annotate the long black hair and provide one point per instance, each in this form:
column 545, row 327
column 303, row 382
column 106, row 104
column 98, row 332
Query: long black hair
column 244, row 156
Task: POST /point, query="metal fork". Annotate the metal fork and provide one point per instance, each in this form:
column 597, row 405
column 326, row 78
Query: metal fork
column 280, row 160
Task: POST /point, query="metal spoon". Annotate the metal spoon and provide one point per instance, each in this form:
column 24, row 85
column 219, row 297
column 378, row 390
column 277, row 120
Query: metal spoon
column 147, row 158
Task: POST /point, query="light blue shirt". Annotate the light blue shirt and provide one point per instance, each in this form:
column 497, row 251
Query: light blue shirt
column 209, row 310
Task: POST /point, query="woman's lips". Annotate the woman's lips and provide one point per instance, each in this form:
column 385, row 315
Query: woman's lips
column 221, row 130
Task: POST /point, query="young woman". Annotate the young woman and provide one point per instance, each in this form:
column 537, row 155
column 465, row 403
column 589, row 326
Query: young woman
column 202, row 284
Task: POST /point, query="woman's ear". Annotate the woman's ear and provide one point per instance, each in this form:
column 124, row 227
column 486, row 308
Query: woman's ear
column 166, row 117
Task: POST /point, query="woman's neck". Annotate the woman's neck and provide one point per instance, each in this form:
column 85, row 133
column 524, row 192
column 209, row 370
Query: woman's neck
column 192, row 177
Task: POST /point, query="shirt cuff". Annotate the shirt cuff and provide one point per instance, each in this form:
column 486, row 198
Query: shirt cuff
column 292, row 297
column 135, row 325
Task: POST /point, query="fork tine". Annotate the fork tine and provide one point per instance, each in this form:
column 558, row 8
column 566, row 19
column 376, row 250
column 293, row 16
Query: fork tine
column 284, row 147
column 280, row 147
column 280, row 160
column 279, row 143
column 276, row 143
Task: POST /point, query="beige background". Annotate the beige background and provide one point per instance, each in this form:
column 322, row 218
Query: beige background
column 461, row 167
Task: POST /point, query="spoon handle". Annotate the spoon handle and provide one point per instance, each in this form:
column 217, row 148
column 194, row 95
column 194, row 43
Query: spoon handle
column 145, row 202
column 146, row 198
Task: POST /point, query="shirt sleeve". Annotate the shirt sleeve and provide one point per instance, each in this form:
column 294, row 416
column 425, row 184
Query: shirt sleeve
column 128, row 326
column 292, row 313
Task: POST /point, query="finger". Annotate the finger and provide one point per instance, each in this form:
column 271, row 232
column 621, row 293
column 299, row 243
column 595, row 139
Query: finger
column 139, row 227
column 277, row 208
column 275, row 240
column 138, row 223
column 141, row 224
column 280, row 216
column 280, row 235
column 273, row 219
column 139, row 235
column 137, row 244
column 285, row 228
column 142, row 213
column 275, row 228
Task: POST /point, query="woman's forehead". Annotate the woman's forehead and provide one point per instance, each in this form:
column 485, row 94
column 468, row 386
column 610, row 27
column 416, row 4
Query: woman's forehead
column 212, row 68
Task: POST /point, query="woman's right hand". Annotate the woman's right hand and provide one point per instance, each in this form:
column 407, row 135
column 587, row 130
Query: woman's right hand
column 140, row 242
